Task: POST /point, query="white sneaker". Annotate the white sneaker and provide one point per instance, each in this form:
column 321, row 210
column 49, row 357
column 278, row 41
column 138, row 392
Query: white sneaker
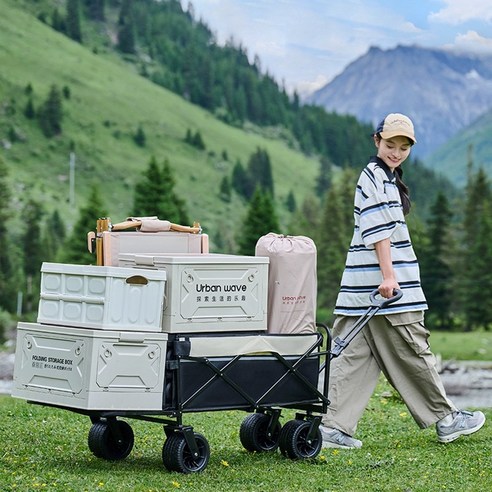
column 333, row 438
column 463, row 424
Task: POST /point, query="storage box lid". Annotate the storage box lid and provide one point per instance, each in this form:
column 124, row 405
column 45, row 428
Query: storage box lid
column 101, row 271
column 191, row 259
column 120, row 335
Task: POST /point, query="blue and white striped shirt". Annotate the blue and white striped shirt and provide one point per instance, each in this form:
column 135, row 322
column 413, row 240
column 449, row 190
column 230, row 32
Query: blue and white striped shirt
column 378, row 215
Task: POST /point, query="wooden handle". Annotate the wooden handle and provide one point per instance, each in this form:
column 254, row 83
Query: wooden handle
column 196, row 229
column 127, row 224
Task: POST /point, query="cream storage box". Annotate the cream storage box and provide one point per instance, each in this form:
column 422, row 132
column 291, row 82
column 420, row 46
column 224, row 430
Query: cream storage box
column 209, row 292
column 101, row 297
column 89, row 369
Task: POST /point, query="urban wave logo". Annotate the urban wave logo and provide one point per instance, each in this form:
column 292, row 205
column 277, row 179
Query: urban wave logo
column 221, row 288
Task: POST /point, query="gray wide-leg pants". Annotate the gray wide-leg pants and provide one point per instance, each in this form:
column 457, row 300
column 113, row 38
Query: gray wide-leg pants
column 397, row 345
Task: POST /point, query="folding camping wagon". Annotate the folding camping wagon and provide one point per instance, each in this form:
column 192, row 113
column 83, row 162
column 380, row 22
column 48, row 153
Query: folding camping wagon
column 160, row 328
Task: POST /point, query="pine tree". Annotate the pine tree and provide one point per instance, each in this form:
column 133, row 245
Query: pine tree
column 225, row 189
column 7, row 289
column 241, row 182
column 478, row 299
column 126, row 29
column 260, row 170
column 472, row 288
column 75, row 247
column 171, row 206
column 33, row 251
column 323, row 182
column 95, row 9
column 139, row 137
column 334, row 237
column 29, row 111
column 58, row 22
column 436, row 272
column 53, row 236
column 50, row 113
column 155, row 195
column 148, row 191
column 290, row 202
column 305, row 221
column 73, row 20
column 260, row 220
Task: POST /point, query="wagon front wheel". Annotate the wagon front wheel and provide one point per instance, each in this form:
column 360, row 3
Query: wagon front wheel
column 296, row 442
column 178, row 456
column 111, row 441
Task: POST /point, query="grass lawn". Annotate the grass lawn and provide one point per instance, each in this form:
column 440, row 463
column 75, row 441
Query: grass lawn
column 462, row 346
column 45, row 449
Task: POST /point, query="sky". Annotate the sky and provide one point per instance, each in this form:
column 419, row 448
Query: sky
column 304, row 44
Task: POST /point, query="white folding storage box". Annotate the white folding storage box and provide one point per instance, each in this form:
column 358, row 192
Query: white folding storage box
column 89, row 369
column 210, row 293
column 102, row 297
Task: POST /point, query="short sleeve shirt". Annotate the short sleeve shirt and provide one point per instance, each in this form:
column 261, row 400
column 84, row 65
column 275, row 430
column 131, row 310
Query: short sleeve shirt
column 378, row 215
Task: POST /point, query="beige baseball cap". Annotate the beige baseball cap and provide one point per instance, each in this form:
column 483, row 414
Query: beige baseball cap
column 396, row 124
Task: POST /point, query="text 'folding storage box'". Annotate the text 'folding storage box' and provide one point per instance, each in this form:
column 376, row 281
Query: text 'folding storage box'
column 89, row 369
column 210, row 292
column 101, row 297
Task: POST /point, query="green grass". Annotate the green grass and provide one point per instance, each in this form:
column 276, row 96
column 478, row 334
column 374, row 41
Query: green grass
column 462, row 346
column 45, row 449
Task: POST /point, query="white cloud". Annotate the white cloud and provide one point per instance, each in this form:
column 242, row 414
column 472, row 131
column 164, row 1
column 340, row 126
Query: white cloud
column 305, row 87
column 459, row 11
column 472, row 41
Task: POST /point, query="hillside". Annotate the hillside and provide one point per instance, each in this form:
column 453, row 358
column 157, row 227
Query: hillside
column 442, row 91
column 108, row 102
column 473, row 142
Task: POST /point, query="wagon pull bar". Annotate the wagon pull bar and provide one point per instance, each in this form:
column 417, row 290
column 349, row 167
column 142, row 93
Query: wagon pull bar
column 339, row 344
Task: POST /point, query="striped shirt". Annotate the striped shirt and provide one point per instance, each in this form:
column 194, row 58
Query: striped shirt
column 378, row 215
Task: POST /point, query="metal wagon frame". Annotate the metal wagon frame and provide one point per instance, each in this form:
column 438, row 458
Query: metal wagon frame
column 187, row 451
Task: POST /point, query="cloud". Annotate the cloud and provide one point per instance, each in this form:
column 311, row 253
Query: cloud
column 472, row 41
column 458, row 12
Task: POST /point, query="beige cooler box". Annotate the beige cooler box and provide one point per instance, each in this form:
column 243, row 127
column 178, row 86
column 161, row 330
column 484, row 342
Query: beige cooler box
column 210, row 293
column 102, row 297
column 89, row 369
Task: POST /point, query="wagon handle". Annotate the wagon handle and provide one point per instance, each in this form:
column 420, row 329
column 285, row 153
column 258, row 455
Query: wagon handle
column 382, row 303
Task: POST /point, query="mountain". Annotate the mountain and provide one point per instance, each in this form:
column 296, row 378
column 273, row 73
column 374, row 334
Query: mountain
column 442, row 91
column 473, row 143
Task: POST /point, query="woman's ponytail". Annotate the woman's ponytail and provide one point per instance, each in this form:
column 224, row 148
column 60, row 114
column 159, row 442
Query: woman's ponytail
column 404, row 191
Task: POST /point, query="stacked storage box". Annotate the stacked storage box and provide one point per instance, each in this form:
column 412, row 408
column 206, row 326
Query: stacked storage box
column 210, row 293
column 98, row 341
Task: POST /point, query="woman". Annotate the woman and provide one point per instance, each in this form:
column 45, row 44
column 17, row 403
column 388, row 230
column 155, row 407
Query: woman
column 395, row 341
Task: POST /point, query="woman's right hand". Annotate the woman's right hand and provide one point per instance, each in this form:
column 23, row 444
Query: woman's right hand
column 387, row 288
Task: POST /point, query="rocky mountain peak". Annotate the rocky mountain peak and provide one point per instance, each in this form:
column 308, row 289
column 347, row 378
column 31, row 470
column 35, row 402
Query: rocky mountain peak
column 442, row 91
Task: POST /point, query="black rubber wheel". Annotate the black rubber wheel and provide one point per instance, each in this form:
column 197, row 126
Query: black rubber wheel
column 177, row 456
column 254, row 434
column 294, row 441
column 108, row 445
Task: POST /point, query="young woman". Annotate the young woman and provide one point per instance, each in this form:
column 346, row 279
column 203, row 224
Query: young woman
column 395, row 341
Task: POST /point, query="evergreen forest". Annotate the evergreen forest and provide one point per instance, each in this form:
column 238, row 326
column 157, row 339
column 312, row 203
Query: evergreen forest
column 165, row 44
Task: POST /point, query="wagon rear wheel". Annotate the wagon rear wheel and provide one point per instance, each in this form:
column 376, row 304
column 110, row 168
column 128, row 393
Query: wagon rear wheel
column 256, row 435
column 295, row 442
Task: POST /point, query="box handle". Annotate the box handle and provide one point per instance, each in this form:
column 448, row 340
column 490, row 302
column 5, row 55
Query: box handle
column 137, row 280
